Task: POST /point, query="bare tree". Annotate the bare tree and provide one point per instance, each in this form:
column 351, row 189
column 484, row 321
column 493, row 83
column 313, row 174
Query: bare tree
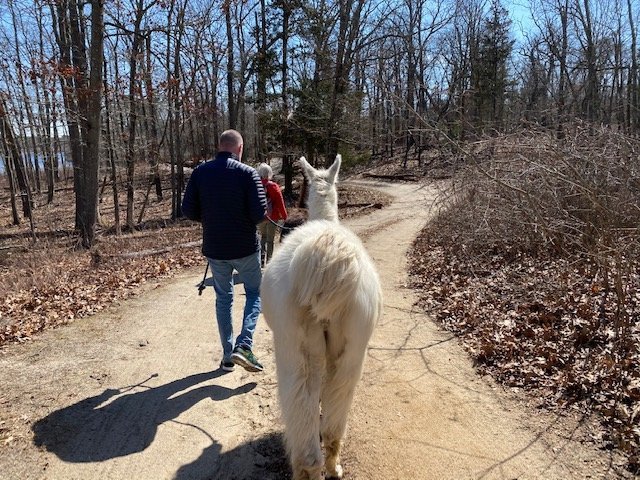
column 8, row 168
column 584, row 19
column 89, row 186
column 11, row 149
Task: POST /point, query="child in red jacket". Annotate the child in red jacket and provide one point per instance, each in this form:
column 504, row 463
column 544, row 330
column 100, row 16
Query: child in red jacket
column 276, row 211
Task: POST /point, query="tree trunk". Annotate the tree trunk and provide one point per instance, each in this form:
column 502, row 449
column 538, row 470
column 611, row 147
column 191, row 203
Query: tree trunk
column 45, row 115
column 632, row 84
column 26, row 102
column 349, row 27
column 133, row 114
column 564, row 20
column 591, row 103
column 261, row 83
column 60, row 21
column 154, row 149
column 89, row 208
column 411, row 84
column 58, row 154
column 177, row 114
column 79, row 58
column 49, row 157
column 112, row 161
column 170, row 114
column 231, row 101
column 9, row 139
column 10, row 176
column 287, row 158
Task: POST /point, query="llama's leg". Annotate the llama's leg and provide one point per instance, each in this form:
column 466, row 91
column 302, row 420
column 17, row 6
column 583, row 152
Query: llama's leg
column 344, row 367
column 300, row 365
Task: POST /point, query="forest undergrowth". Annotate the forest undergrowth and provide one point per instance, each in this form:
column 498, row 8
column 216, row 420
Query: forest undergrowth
column 533, row 261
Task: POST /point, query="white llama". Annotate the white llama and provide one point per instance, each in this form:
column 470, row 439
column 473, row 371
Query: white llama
column 321, row 298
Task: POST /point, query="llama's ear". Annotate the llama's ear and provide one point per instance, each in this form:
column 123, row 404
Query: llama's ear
column 333, row 169
column 307, row 169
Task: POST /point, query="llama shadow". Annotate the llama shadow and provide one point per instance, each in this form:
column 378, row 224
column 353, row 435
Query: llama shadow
column 92, row 431
column 263, row 458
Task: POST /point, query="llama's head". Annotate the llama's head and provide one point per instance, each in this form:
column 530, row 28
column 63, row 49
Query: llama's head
column 323, row 196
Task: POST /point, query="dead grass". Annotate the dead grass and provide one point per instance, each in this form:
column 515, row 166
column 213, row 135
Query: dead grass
column 533, row 261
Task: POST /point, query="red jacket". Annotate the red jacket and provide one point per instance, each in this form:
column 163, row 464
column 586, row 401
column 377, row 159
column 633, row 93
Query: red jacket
column 276, row 210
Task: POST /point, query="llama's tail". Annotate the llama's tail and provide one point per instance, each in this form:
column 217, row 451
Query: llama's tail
column 326, row 272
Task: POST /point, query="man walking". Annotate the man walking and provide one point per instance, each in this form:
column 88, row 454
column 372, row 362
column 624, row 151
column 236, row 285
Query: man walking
column 227, row 197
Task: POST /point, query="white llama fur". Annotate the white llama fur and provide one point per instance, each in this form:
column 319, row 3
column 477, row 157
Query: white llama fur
column 321, row 298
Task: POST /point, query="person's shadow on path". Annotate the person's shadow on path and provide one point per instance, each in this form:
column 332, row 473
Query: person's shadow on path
column 261, row 458
column 88, row 431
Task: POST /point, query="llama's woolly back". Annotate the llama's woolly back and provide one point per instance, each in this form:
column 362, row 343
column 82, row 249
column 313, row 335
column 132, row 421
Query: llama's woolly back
column 323, row 268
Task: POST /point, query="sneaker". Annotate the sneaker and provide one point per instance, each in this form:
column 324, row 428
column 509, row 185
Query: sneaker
column 227, row 365
column 245, row 358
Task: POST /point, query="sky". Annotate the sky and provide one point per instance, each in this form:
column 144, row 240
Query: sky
column 520, row 14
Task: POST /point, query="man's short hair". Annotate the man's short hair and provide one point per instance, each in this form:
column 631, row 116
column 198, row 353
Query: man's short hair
column 230, row 139
column 264, row 171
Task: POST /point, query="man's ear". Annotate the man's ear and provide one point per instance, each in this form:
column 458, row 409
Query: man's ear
column 334, row 169
column 307, row 169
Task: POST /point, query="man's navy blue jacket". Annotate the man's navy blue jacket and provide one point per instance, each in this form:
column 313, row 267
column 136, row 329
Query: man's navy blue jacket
column 227, row 197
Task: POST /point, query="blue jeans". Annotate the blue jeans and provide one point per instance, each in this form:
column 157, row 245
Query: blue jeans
column 250, row 275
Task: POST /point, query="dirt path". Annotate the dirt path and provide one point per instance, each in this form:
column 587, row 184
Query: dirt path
column 134, row 393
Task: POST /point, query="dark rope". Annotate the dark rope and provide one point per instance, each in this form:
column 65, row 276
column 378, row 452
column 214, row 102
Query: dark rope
column 282, row 227
column 202, row 286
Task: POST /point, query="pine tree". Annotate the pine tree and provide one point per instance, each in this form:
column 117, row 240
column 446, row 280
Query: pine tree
column 489, row 76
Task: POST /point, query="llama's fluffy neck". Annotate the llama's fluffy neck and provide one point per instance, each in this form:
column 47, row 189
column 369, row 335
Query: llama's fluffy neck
column 323, row 203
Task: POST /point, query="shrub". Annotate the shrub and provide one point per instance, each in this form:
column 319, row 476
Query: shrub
column 533, row 260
